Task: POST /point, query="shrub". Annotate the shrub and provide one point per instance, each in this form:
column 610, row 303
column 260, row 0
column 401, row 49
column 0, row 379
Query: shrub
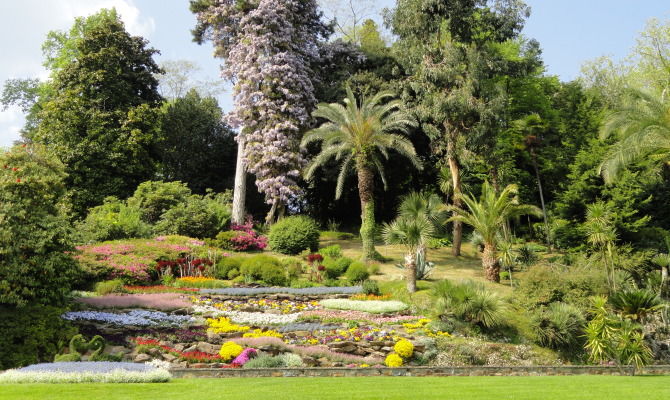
column 153, row 198
column 265, row 361
column 560, row 327
column 336, row 267
column 265, row 268
column 291, row 360
column 393, row 360
column 470, row 302
column 357, row 272
column 371, row 287
column 333, row 251
column 438, row 243
column 526, row 255
column 107, row 287
column 35, row 234
column 230, row 350
column 636, row 304
column 224, row 239
column 294, row 234
column 31, row 334
column 404, row 348
column 226, row 265
column 112, row 220
column 198, row 216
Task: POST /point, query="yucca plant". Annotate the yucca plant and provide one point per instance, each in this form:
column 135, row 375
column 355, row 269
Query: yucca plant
column 559, row 327
column 487, row 216
column 359, row 135
column 470, row 302
column 413, row 234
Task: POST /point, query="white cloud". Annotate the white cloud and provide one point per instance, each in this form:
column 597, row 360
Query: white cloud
column 11, row 121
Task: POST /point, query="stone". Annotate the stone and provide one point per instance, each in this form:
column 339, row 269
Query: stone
column 301, row 333
column 116, row 350
column 181, row 311
column 155, row 352
column 191, row 348
column 169, row 357
column 214, row 337
column 180, row 346
column 310, row 361
column 141, row 358
column 208, row 348
column 198, row 365
column 387, row 349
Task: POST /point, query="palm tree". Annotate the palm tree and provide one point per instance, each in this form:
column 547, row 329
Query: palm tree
column 663, row 261
column 488, row 216
column 411, row 233
column 359, row 136
column 600, row 233
column 642, row 125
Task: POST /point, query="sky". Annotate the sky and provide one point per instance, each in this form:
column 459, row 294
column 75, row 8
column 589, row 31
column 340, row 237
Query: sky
column 570, row 32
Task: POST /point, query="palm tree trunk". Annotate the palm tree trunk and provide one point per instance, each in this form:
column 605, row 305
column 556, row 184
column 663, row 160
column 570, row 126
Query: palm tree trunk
column 539, row 187
column 240, row 186
column 365, row 192
column 665, row 289
column 490, row 263
column 456, row 181
column 410, row 267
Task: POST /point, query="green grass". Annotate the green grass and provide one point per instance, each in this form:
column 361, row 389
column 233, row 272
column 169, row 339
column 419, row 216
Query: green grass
column 461, row 388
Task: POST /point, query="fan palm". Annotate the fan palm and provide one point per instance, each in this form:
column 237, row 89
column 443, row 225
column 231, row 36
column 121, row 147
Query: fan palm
column 359, row 136
column 636, row 305
column 488, row 216
column 642, row 125
column 411, row 232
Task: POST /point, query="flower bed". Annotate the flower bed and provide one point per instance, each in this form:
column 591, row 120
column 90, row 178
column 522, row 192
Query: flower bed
column 336, row 316
column 86, row 372
column 311, row 351
column 189, row 356
column 159, row 301
column 251, row 318
column 315, row 291
column 372, row 306
column 131, row 318
column 283, row 306
column 341, row 335
column 158, row 289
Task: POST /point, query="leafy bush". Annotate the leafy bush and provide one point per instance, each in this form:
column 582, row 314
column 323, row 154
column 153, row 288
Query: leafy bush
column 334, row 251
column 265, row 361
column 112, row 220
column 31, row 334
column 294, row 234
column 336, row 267
column 526, row 255
column 291, row 360
column 542, row 285
column 371, row 287
column 357, row 272
column 636, row 304
column 264, row 268
column 226, row 265
column 371, row 306
column 438, row 243
column 470, row 302
column 223, row 239
column 199, row 216
column 153, row 198
column 335, row 235
column 107, row 287
column 560, row 327
column 35, row 234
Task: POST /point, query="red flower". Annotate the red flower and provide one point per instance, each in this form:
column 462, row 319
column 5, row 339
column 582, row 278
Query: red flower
column 15, row 169
column 18, row 180
column 321, row 268
column 314, row 258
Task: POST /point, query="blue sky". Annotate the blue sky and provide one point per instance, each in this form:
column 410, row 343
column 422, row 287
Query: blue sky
column 569, row 31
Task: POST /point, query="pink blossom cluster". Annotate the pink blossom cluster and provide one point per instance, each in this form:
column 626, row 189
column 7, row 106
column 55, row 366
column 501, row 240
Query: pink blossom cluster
column 245, row 356
column 158, row 301
column 361, row 316
column 108, row 249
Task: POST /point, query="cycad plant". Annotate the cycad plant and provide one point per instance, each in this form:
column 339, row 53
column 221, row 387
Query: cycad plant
column 642, row 127
column 413, row 234
column 636, row 304
column 488, row 216
column 359, row 136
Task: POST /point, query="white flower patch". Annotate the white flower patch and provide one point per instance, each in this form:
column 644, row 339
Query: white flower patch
column 249, row 318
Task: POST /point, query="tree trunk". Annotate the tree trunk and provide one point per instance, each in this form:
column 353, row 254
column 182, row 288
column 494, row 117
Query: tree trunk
column 240, row 186
column 410, row 267
column 665, row 284
column 270, row 217
column 458, row 225
column 365, row 192
column 490, row 263
column 539, row 187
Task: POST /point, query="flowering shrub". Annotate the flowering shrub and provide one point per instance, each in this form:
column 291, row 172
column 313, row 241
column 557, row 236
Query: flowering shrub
column 252, row 318
column 283, row 306
column 404, row 348
column 230, row 350
column 159, row 301
column 118, row 375
column 336, row 316
column 422, row 327
column 132, row 318
column 393, row 360
column 190, row 356
column 244, row 357
column 261, row 333
column 315, row 291
column 373, row 306
column 223, row 325
column 246, row 239
column 363, row 333
column 157, row 289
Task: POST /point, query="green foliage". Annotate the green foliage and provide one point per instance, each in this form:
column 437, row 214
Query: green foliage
column 263, row 268
column 107, row 287
column 199, row 216
column 223, row 239
column 636, row 304
column 336, row 267
column 112, row 220
column 292, row 235
column 226, row 266
column 102, row 118
column 333, row 251
column 31, row 334
column 357, row 272
column 265, row 361
column 35, row 234
column 526, row 255
column 542, row 285
column 470, row 302
column 153, row 198
column 560, row 327
column 438, row 243
column 371, row 287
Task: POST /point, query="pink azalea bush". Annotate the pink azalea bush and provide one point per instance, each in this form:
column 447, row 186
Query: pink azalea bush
column 158, row 301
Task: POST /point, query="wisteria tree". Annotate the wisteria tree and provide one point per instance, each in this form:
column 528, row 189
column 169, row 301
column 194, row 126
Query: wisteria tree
column 268, row 47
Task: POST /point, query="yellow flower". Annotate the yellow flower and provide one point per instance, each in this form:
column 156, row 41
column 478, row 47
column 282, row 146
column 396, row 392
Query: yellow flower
column 393, row 360
column 260, row 333
column 223, row 325
column 230, row 350
column 404, row 348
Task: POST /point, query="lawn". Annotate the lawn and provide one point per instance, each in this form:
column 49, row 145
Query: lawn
column 461, row 388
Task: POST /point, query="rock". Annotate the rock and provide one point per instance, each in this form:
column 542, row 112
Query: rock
column 141, row 358
column 169, row 357
column 301, row 333
column 310, row 361
column 180, row 364
column 116, row 350
column 191, row 348
column 360, row 352
column 214, row 337
column 155, row 352
column 324, row 362
column 166, row 343
column 181, row 311
column 198, row 365
column 180, row 346
column 387, row 349
column 208, row 348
